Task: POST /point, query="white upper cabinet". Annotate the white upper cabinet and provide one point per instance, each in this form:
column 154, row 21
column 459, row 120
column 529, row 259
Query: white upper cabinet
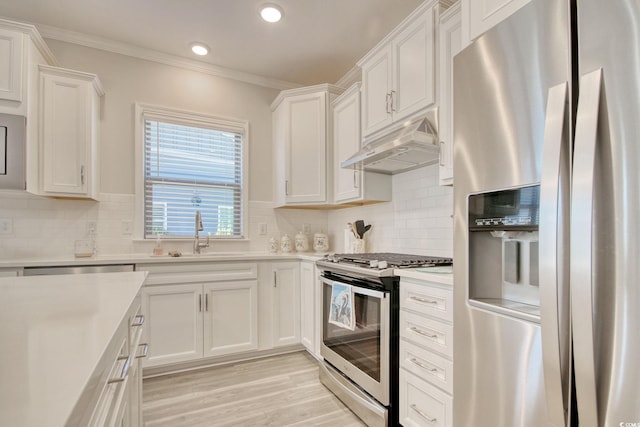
column 353, row 186
column 450, row 44
column 303, row 148
column 70, row 130
column 22, row 50
column 480, row 15
column 398, row 75
column 11, row 65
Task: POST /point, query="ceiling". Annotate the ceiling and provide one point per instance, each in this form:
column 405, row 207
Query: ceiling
column 317, row 41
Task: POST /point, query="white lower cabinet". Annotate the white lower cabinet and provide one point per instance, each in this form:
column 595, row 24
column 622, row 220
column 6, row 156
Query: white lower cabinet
column 191, row 321
column 120, row 400
column 202, row 311
column 286, row 303
column 426, row 353
column 230, row 317
column 199, row 310
column 174, row 323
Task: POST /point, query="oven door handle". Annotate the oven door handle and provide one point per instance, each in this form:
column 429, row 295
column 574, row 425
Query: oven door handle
column 358, row 289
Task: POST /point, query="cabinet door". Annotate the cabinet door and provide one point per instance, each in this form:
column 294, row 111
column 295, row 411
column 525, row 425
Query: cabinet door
column 376, row 92
column 450, row 45
column 346, row 139
column 231, row 317
column 66, row 135
column 306, row 149
column 480, row 15
column 414, row 67
column 11, row 69
column 173, row 326
column 286, row 303
column 308, row 305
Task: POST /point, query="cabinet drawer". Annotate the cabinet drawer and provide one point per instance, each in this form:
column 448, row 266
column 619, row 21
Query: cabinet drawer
column 427, row 365
column 426, row 332
column 429, row 300
column 422, row 404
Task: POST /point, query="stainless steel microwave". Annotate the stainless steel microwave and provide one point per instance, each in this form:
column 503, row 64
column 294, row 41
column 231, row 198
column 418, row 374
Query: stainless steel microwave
column 13, row 132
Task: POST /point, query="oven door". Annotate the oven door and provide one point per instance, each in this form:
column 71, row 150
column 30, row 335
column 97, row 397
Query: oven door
column 361, row 354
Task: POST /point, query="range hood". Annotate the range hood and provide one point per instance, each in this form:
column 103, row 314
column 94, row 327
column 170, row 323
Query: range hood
column 413, row 145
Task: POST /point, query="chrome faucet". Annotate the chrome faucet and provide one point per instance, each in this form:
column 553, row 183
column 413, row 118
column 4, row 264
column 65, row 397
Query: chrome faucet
column 197, row 244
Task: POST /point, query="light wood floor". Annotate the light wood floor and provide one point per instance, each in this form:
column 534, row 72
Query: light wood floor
column 275, row 391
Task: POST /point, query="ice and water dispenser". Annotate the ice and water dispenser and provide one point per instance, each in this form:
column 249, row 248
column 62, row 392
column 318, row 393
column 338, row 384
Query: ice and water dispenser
column 503, row 251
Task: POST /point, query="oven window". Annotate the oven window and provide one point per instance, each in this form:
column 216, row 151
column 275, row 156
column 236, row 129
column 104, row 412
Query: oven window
column 360, row 347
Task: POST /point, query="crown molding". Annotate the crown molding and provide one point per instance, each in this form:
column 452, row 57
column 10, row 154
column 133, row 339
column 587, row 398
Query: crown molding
column 95, row 42
column 324, row 87
column 35, row 36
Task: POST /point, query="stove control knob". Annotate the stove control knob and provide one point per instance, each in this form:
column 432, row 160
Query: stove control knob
column 373, row 263
column 382, row 264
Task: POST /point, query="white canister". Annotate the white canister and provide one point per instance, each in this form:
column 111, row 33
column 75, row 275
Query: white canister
column 320, row 242
column 301, row 242
column 348, row 240
column 273, row 245
column 359, row 246
column 285, row 244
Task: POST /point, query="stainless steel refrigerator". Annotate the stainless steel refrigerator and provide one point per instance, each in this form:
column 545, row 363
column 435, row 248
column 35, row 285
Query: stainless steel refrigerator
column 547, row 208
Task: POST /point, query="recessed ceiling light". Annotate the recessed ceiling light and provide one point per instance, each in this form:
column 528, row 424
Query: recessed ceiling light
column 271, row 12
column 199, row 48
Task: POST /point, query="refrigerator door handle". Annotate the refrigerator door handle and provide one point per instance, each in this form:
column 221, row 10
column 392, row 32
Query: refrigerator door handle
column 554, row 299
column 582, row 204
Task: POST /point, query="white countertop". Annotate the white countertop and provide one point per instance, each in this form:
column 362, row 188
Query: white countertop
column 442, row 275
column 151, row 259
column 54, row 330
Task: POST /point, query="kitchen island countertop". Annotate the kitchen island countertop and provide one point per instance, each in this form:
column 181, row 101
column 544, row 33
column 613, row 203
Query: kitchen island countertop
column 54, row 331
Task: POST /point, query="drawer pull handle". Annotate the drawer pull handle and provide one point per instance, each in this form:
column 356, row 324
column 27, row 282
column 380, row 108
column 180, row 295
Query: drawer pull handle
column 423, row 415
column 123, row 373
column 424, row 300
column 145, row 350
column 138, row 320
column 422, row 365
column 423, row 333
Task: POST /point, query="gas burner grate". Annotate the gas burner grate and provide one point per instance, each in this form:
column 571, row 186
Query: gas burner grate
column 393, row 260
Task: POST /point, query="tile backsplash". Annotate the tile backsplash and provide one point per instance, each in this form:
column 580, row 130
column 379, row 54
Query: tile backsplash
column 418, row 221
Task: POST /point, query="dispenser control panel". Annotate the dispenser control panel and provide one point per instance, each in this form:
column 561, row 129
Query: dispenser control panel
column 516, row 208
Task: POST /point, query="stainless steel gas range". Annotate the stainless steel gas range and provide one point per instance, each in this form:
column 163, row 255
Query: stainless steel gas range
column 360, row 336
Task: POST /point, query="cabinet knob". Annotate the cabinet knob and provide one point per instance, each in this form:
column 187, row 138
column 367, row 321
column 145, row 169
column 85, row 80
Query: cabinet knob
column 82, row 174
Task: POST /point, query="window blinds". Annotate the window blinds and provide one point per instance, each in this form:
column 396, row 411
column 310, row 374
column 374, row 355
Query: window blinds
column 191, row 168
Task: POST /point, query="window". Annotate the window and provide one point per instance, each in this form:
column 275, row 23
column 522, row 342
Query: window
column 191, row 163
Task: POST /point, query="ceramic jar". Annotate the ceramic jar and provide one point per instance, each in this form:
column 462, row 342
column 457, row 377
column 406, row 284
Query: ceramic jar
column 301, row 242
column 320, row 242
column 359, row 246
column 285, row 244
column 273, row 245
